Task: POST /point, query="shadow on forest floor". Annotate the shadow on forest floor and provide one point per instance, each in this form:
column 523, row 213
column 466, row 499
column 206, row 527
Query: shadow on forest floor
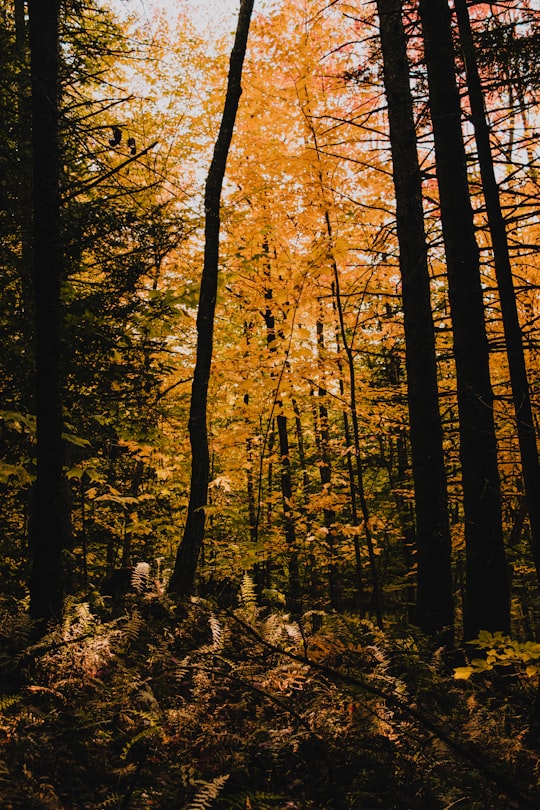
column 146, row 704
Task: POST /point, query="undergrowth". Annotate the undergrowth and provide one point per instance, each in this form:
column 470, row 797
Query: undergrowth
column 157, row 705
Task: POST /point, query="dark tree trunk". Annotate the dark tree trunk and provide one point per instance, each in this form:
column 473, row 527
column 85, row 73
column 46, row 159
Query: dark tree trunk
column 434, row 601
column 183, row 577
column 293, row 591
column 325, row 471
column 359, row 578
column 24, row 190
column 294, row 596
column 487, row 601
column 505, row 282
column 49, row 525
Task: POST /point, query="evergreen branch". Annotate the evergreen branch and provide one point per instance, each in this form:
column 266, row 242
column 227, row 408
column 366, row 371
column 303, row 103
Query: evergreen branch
column 110, row 173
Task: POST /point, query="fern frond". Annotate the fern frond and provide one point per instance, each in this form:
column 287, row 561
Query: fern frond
column 217, row 632
column 182, row 668
column 146, row 733
column 114, row 800
column 133, row 626
column 272, row 628
column 293, row 632
column 5, row 775
column 208, row 793
column 7, row 701
column 256, row 801
column 248, row 596
column 140, row 577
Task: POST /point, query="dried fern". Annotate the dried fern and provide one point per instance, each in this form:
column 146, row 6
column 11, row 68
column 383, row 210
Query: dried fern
column 182, row 668
column 248, row 597
column 133, row 626
column 140, row 577
column 208, row 793
column 217, row 632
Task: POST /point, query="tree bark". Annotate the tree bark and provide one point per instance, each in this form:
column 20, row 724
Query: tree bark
column 294, row 595
column 487, row 600
column 434, row 600
column 322, row 437
column 505, row 282
column 183, row 577
column 49, row 525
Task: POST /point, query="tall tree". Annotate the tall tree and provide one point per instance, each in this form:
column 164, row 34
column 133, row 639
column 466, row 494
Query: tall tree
column 487, row 601
column 50, row 520
column 503, row 270
column 183, row 577
column 435, row 611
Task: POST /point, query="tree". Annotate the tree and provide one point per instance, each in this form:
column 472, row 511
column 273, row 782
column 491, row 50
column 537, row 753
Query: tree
column 49, row 530
column 434, row 603
column 487, row 601
column 503, row 269
column 183, row 577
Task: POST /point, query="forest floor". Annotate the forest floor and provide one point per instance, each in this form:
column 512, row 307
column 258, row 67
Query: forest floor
column 145, row 703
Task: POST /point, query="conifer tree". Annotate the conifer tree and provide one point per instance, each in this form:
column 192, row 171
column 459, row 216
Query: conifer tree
column 487, row 600
column 49, row 527
column 434, row 609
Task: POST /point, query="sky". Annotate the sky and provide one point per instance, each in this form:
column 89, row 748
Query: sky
column 220, row 15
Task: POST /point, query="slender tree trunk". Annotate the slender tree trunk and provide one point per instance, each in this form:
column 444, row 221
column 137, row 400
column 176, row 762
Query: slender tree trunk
column 252, row 508
column 183, row 577
column 349, row 354
column 24, row 191
column 294, row 594
column 505, row 282
column 294, row 599
column 487, row 600
column 50, row 522
column 311, row 575
column 325, row 471
column 353, row 410
column 359, row 578
column 434, row 601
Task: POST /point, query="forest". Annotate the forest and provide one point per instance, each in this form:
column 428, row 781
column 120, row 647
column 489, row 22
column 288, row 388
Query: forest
column 269, row 400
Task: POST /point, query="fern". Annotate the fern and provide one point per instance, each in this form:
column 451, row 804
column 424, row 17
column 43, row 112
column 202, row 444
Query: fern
column 253, row 801
column 146, row 734
column 217, row 632
column 182, row 669
column 7, row 701
column 248, row 596
column 133, row 626
column 293, row 632
column 208, row 793
column 140, row 578
column 111, row 801
column 4, row 772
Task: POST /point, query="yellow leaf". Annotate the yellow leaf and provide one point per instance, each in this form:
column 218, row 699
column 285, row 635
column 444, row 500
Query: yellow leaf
column 462, row 673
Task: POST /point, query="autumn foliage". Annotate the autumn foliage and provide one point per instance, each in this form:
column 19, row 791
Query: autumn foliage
column 315, row 664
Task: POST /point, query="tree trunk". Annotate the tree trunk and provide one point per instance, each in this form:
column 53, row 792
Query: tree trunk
column 49, row 528
column 294, row 600
column 505, row 282
column 294, row 595
column 487, row 601
column 183, row 577
column 322, row 436
column 434, row 600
